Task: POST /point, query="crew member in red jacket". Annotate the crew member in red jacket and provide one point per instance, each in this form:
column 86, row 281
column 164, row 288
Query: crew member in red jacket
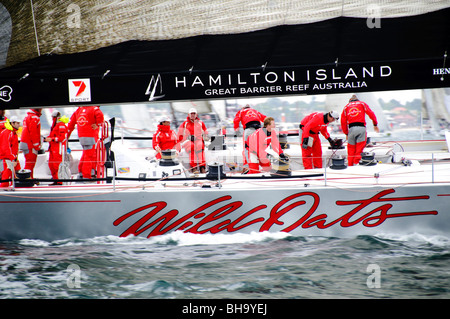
column 57, row 144
column 30, row 141
column 3, row 119
column 9, row 150
column 165, row 138
column 251, row 120
column 353, row 123
column 88, row 120
column 257, row 144
column 191, row 135
column 311, row 145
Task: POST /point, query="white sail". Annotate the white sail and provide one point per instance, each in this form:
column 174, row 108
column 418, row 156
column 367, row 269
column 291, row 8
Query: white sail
column 436, row 107
column 137, row 119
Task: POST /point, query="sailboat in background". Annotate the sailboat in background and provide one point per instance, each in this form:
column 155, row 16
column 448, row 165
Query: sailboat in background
column 137, row 118
column 436, row 108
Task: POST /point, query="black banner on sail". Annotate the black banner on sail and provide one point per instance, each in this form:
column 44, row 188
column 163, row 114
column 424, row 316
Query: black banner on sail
column 306, row 80
column 225, row 84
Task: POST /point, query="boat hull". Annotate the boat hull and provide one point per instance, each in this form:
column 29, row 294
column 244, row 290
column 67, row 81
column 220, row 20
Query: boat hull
column 301, row 210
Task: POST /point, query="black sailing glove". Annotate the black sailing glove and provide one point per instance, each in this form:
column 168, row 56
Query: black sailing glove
column 305, row 143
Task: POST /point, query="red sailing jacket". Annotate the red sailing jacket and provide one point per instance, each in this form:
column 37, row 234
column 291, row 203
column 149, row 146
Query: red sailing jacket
column 31, row 133
column 190, row 128
column 58, row 136
column 165, row 138
column 315, row 123
column 259, row 141
column 247, row 115
column 2, row 123
column 356, row 111
column 84, row 117
column 9, row 144
column 306, row 119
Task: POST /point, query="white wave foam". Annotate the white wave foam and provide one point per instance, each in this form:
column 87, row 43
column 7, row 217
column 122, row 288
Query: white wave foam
column 34, row 242
column 177, row 238
column 437, row 240
column 186, row 239
column 180, row 238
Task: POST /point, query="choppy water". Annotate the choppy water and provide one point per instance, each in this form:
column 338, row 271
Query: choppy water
column 269, row 266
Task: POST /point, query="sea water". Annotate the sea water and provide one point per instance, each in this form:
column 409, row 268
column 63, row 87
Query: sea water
column 240, row 266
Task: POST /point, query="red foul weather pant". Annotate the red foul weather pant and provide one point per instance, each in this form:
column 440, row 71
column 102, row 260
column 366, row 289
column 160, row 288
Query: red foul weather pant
column 53, row 163
column 254, row 162
column 196, row 153
column 312, row 156
column 30, row 162
column 6, row 173
column 354, row 153
column 88, row 162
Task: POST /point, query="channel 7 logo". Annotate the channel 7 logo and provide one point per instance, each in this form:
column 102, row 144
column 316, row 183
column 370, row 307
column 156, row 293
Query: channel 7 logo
column 79, row 90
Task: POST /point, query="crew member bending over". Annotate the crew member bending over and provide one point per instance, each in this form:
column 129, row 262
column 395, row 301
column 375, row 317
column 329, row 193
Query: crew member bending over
column 311, row 145
column 251, row 120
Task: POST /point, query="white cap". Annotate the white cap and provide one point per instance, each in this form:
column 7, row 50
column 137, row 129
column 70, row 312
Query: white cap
column 192, row 110
column 14, row 119
column 335, row 114
column 164, row 119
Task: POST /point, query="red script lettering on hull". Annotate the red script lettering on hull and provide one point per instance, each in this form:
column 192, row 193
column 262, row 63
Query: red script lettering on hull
column 219, row 220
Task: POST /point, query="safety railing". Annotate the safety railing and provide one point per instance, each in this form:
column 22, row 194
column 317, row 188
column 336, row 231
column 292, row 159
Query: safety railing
column 324, row 175
column 236, row 161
